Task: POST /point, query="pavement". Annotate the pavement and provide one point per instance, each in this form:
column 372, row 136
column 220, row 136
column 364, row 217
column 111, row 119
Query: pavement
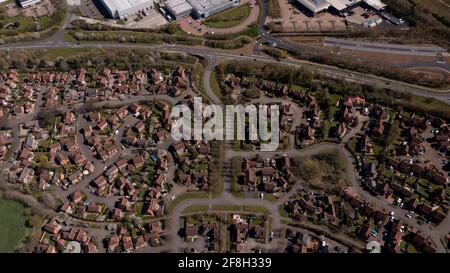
column 374, row 47
column 384, row 48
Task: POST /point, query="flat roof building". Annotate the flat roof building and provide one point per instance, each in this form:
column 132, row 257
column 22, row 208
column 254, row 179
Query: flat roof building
column 28, row 3
column 120, row 9
column 317, row 6
column 206, row 8
column 375, row 4
column 178, row 8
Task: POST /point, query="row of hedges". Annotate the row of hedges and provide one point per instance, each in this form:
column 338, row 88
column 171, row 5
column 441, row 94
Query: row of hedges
column 233, row 44
column 133, row 37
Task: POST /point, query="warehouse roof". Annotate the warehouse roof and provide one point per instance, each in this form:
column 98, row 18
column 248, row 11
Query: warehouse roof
column 376, row 4
column 320, row 5
column 124, row 5
column 178, row 6
column 207, row 5
column 315, row 5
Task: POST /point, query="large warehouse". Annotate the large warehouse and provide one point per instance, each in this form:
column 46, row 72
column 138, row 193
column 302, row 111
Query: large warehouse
column 317, row 6
column 28, row 3
column 206, row 8
column 178, row 8
column 120, row 9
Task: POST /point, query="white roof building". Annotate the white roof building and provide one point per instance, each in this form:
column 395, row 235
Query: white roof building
column 206, row 8
column 124, row 8
column 376, row 4
column 27, row 3
column 316, row 6
column 178, row 8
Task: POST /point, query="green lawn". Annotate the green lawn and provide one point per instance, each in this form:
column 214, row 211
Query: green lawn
column 283, row 211
column 11, row 26
column 254, row 208
column 227, row 207
column 334, row 98
column 215, row 85
column 172, row 204
column 54, row 53
column 229, row 18
column 196, row 208
column 12, row 224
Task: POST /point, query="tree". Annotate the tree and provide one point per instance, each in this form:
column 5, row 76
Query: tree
column 309, row 169
column 33, row 221
column 42, row 162
column 393, row 134
column 62, row 64
column 171, row 28
column 251, row 93
column 333, row 159
column 47, row 117
column 43, row 63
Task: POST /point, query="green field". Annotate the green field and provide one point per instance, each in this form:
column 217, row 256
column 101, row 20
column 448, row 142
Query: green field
column 54, row 53
column 196, row 208
column 229, row 18
column 12, row 224
column 11, row 26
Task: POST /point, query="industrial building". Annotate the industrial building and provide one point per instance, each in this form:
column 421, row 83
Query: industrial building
column 206, row 8
column 340, row 6
column 28, row 3
column 121, row 9
column 178, row 8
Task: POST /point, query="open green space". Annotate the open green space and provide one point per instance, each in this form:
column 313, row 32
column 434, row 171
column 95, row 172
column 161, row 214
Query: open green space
column 21, row 24
column 12, row 224
column 215, row 84
column 229, row 18
column 181, row 198
column 196, row 208
column 227, row 207
column 255, row 208
column 54, row 53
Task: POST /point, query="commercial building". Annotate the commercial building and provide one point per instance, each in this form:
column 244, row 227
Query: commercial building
column 314, row 6
column 340, row 6
column 375, row 4
column 206, row 8
column 178, row 8
column 28, row 3
column 121, row 9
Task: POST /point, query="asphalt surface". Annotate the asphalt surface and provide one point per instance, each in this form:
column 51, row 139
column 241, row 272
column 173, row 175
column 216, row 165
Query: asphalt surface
column 384, row 48
column 267, row 37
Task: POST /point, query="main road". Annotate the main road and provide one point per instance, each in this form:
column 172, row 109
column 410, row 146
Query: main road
column 430, row 51
column 57, row 41
column 329, row 71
